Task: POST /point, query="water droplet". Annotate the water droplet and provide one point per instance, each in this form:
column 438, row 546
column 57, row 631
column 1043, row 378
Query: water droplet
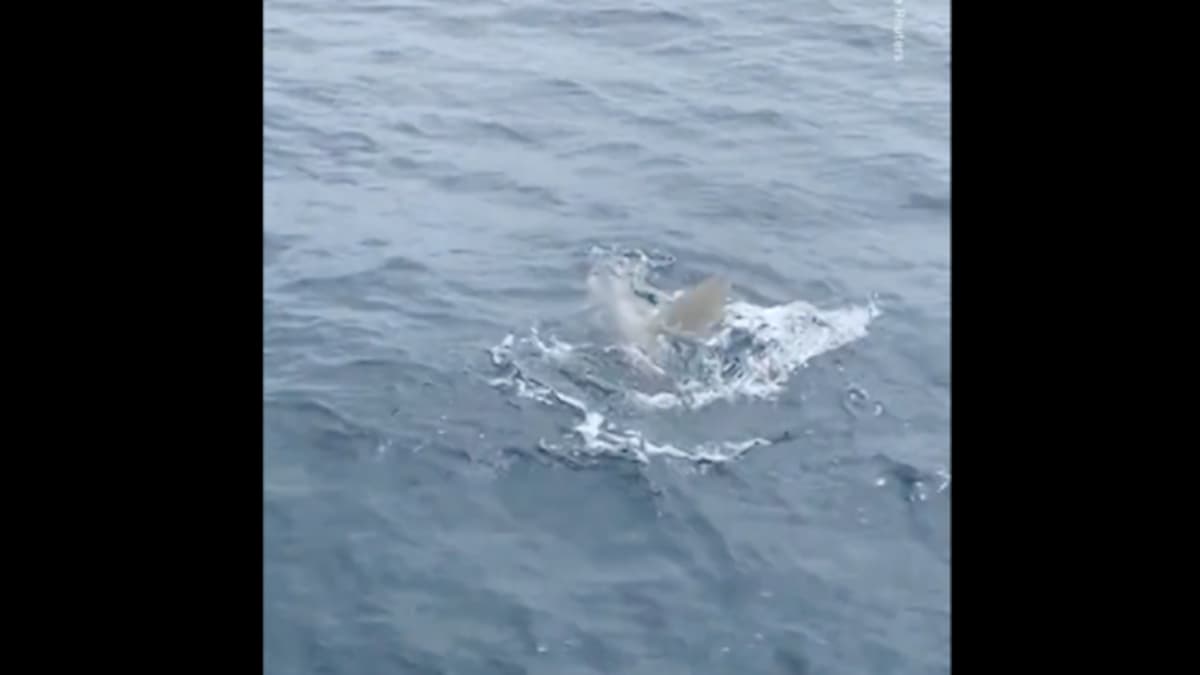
column 857, row 401
column 917, row 492
column 880, row 482
column 542, row 649
column 945, row 476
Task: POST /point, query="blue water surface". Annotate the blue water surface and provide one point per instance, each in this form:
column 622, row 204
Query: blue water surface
column 440, row 176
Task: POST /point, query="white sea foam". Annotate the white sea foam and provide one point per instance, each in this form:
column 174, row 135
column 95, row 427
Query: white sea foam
column 751, row 358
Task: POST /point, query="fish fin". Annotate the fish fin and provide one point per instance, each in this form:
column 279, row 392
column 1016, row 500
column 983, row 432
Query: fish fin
column 696, row 310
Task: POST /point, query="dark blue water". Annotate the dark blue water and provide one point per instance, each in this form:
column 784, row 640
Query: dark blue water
column 463, row 475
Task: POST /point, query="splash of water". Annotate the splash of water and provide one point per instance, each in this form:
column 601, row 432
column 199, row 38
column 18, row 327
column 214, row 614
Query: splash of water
column 751, row 358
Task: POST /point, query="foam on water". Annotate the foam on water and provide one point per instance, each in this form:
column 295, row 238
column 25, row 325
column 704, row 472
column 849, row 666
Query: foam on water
column 751, row 358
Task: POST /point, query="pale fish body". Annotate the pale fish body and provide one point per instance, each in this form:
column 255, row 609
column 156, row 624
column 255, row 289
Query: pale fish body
column 692, row 313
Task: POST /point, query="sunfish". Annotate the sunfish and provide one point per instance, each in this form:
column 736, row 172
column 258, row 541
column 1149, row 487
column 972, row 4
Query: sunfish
column 690, row 313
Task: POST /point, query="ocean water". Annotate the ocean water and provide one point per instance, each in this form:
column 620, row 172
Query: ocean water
column 467, row 472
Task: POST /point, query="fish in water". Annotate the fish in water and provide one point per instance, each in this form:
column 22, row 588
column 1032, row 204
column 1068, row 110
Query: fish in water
column 640, row 316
